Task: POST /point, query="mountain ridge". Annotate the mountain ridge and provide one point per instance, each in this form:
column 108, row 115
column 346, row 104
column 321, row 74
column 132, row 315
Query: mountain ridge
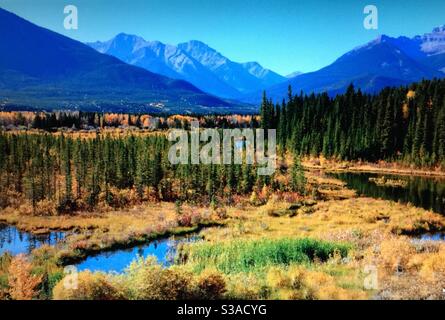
column 193, row 61
column 43, row 69
column 396, row 60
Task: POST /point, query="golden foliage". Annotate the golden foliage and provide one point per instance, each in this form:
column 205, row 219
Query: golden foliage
column 433, row 267
column 298, row 282
column 45, row 208
column 90, row 286
column 22, row 283
column 396, row 254
column 411, row 94
column 210, row 285
column 147, row 280
column 405, row 111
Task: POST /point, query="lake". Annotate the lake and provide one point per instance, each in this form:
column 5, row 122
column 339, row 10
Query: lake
column 117, row 261
column 15, row 241
column 424, row 192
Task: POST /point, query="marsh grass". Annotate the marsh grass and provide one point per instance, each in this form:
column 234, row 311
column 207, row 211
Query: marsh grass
column 247, row 256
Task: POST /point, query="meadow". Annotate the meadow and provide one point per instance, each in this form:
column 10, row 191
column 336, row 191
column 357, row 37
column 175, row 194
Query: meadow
column 298, row 234
column 289, row 246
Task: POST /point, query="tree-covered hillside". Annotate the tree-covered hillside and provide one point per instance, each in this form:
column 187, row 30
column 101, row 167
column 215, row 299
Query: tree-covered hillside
column 398, row 124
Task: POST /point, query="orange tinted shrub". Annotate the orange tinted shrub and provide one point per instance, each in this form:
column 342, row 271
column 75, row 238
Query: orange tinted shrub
column 22, row 283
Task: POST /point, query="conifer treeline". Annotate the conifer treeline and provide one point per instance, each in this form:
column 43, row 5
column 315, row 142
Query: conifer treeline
column 398, row 124
column 82, row 173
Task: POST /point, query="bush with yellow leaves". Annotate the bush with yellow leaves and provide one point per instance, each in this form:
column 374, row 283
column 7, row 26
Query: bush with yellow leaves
column 22, row 283
column 210, row 285
column 45, row 207
column 88, row 286
column 395, row 254
column 297, row 283
column 433, row 267
column 147, row 280
column 246, row 287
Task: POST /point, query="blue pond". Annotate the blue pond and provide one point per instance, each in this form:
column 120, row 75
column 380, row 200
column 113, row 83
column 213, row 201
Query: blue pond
column 433, row 237
column 117, row 261
column 15, row 242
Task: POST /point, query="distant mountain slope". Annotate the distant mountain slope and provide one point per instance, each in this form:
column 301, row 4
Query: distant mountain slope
column 194, row 62
column 40, row 68
column 294, row 74
column 386, row 61
column 245, row 77
column 164, row 59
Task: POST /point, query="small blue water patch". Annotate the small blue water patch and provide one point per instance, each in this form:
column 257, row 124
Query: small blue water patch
column 117, row 261
column 15, row 241
column 433, row 237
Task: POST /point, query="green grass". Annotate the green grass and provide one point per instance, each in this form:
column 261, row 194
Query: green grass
column 256, row 255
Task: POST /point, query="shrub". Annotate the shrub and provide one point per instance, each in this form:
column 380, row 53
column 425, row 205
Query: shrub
column 147, row 280
column 189, row 219
column 11, row 198
column 45, row 256
column 434, row 266
column 178, row 207
column 297, row 283
column 66, row 206
column 255, row 199
column 395, row 254
column 150, row 194
column 246, row 287
column 5, row 261
column 26, row 209
column 22, row 284
column 45, row 208
column 210, row 285
column 90, row 286
column 221, row 213
column 185, row 220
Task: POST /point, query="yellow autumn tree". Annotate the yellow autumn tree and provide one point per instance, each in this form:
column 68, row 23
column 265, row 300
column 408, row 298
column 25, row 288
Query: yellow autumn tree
column 22, row 283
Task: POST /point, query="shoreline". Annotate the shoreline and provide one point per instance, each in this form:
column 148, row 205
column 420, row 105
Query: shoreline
column 92, row 252
column 372, row 168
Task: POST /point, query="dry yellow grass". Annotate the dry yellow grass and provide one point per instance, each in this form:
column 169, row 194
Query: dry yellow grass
column 321, row 163
column 92, row 233
column 361, row 216
column 137, row 219
column 375, row 227
column 406, row 268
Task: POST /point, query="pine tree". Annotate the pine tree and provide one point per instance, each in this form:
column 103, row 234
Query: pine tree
column 298, row 179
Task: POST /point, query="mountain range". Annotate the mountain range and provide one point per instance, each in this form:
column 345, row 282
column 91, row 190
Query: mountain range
column 45, row 70
column 385, row 61
column 193, row 61
column 41, row 69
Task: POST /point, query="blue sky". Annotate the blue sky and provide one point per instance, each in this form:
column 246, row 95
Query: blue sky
column 283, row 35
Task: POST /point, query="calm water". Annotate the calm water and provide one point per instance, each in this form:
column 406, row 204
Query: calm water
column 424, row 192
column 117, row 261
column 15, row 242
column 433, row 237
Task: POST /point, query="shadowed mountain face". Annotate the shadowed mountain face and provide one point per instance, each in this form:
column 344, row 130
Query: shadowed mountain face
column 383, row 62
column 245, row 77
column 194, row 62
column 164, row 59
column 40, row 68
